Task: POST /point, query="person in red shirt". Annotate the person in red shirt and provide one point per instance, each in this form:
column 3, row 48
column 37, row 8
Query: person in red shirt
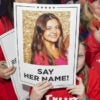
column 48, row 47
column 6, row 24
column 93, row 39
column 91, row 21
column 87, row 84
column 6, row 86
column 93, row 49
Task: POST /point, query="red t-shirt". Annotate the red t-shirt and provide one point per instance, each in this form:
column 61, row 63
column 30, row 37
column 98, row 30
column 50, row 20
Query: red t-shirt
column 6, row 87
column 93, row 48
column 5, row 25
column 96, row 63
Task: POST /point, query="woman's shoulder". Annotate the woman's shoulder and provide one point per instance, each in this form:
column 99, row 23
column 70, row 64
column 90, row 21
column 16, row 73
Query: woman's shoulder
column 61, row 61
column 40, row 59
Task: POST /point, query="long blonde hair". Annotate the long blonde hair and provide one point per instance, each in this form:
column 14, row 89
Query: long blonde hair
column 87, row 17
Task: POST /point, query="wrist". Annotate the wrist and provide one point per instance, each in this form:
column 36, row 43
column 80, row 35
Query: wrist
column 34, row 98
column 84, row 98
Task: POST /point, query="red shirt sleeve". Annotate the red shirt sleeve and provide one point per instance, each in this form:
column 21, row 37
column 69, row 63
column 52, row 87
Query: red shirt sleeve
column 5, row 25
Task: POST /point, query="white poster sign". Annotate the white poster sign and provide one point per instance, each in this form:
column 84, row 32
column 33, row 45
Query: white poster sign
column 47, row 43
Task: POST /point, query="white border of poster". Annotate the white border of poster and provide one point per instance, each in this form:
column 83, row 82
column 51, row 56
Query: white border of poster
column 59, row 75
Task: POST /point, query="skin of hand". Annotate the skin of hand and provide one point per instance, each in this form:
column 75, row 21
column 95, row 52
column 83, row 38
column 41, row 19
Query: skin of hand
column 39, row 90
column 5, row 71
column 78, row 90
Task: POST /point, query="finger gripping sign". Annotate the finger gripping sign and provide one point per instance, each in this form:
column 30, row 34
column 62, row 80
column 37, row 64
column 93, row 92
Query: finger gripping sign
column 47, row 43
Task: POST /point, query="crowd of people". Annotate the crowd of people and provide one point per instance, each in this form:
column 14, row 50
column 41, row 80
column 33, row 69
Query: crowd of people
column 88, row 67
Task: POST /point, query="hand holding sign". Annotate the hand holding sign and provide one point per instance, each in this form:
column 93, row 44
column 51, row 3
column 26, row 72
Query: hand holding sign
column 39, row 90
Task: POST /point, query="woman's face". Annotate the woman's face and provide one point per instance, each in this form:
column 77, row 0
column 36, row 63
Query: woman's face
column 52, row 32
column 96, row 7
column 81, row 57
column 26, row 1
